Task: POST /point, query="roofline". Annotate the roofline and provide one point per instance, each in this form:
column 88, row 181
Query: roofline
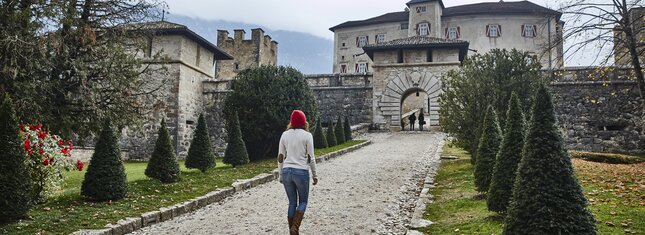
column 219, row 54
column 440, row 2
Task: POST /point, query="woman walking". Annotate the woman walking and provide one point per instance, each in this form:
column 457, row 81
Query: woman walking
column 295, row 157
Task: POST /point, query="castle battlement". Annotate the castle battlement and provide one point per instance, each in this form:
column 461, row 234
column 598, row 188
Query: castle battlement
column 256, row 51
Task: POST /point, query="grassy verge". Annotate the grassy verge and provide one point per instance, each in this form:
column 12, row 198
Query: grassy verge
column 69, row 212
column 611, row 158
column 614, row 193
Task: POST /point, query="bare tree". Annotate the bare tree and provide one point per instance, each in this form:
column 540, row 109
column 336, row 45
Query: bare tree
column 614, row 26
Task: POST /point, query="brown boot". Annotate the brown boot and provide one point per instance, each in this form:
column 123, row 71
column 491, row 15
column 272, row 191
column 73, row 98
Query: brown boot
column 297, row 219
column 290, row 222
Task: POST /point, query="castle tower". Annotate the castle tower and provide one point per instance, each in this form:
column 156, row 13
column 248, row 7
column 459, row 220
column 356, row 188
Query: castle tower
column 247, row 53
column 425, row 18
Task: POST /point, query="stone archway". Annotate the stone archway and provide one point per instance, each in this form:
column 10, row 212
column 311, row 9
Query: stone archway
column 397, row 84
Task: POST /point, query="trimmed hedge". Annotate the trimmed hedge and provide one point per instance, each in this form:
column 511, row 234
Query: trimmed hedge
column 331, row 135
column 487, row 150
column 163, row 162
column 235, row 153
column 320, row 141
column 200, row 154
column 611, row 158
column 339, row 131
column 105, row 178
column 347, row 129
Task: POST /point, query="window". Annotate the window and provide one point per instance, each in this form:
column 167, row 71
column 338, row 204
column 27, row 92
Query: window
column 452, row 33
column 343, row 44
column 237, row 66
column 493, row 30
column 380, row 38
column 404, row 26
column 342, row 58
column 423, row 29
column 429, row 56
column 361, row 68
column 361, row 41
column 421, row 9
column 529, row 30
column 343, row 68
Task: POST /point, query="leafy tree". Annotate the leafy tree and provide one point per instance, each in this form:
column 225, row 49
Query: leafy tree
column 614, row 29
column 83, row 70
column 320, row 142
column 235, row 153
column 200, row 154
column 339, row 131
column 163, row 162
column 482, row 80
column 15, row 182
column 347, row 129
column 264, row 98
column 105, row 178
column 508, row 157
column 547, row 198
column 331, row 135
column 487, row 150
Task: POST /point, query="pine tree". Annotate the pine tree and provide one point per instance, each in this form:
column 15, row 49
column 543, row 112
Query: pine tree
column 331, row 135
column 200, row 154
column 235, row 153
column 320, row 142
column 15, row 182
column 347, row 130
column 105, row 178
column 487, row 150
column 508, row 157
column 339, row 131
column 547, row 198
column 163, row 162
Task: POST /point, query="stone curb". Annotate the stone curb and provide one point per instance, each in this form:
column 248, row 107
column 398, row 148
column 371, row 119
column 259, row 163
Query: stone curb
column 417, row 220
column 129, row 225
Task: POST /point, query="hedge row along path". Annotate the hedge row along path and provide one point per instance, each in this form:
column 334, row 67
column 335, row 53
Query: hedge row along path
column 358, row 193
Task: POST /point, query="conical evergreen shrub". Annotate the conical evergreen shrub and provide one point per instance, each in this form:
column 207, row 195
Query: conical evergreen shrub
column 320, row 142
column 235, row 153
column 15, row 181
column 339, row 131
column 547, row 198
column 347, row 129
column 487, row 150
column 200, row 154
column 508, row 157
column 105, row 178
column 163, row 162
column 331, row 135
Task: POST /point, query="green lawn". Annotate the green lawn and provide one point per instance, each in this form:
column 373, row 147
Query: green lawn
column 614, row 193
column 69, row 212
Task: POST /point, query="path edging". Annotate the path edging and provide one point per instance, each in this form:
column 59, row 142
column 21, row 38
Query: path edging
column 132, row 224
column 425, row 198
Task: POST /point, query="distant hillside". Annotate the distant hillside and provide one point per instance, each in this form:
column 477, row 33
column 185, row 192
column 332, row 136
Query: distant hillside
column 308, row 53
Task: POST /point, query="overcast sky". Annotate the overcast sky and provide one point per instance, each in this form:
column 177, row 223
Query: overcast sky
column 315, row 16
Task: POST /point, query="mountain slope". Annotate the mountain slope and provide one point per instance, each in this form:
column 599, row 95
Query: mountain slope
column 308, row 53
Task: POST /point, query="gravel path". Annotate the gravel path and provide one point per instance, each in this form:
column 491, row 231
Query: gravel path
column 369, row 191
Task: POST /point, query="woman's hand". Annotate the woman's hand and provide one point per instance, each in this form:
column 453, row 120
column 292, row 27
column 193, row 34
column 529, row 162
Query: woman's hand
column 315, row 180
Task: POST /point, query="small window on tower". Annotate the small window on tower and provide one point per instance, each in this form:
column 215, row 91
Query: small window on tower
column 424, row 29
column 361, row 41
column 421, row 9
column 404, row 26
column 380, row 38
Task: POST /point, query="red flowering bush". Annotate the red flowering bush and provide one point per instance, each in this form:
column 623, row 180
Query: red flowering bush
column 47, row 156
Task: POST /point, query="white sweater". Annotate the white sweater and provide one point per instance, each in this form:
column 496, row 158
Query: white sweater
column 297, row 146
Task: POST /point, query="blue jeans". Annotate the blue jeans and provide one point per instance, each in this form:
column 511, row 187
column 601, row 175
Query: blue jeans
column 296, row 184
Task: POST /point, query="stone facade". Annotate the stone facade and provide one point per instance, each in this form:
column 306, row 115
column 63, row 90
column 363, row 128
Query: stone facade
column 187, row 60
column 621, row 53
column 247, row 53
column 469, row 21
column 337, row 95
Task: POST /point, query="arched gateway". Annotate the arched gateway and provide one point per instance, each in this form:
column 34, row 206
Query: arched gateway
column 408, row 65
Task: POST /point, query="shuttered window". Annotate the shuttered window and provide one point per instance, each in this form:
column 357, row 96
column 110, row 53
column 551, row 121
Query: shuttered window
column 361, row 41
column 452, row 33
column 529, row 30
column 493, row 30
column 423, row 29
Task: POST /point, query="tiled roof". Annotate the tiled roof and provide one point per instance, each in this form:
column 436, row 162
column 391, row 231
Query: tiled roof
column 522, row 7
column 415, row 41
column 401, row 16
column 169, row 28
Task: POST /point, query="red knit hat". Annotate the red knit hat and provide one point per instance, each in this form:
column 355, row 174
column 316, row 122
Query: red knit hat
column 298, row 118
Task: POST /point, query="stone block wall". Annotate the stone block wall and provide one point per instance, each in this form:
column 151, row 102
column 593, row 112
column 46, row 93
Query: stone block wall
column 600, row 110
column 345, row 95
column 214, row 95
column 247, row 53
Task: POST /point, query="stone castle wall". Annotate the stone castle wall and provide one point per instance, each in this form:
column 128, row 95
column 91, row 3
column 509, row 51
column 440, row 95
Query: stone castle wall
column 600, row 110
column 342, row 95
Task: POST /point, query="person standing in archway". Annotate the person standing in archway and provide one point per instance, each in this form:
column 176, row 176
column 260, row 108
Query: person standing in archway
column 421, row 120
column 412, row 118
column 295, row 158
